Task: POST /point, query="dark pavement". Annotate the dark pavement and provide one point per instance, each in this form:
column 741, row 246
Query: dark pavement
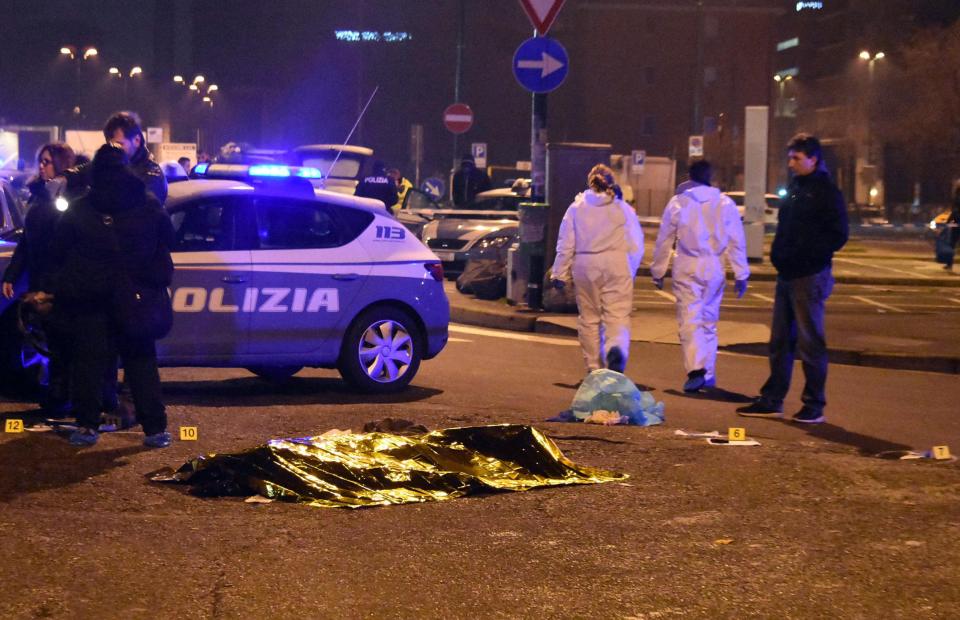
column 807, row 525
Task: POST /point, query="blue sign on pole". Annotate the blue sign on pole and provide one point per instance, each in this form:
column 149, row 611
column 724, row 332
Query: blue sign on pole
column 434, row 186
column 540, row 64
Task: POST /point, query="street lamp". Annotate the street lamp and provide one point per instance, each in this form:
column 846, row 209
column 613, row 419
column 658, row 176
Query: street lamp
column 135, row 71
column 71, row 51
column 79, row 56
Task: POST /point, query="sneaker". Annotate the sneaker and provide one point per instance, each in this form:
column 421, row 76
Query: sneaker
column 615, row 361
column 809, row 416
column 84, row 437
column 157, row 440
column 695, row 381
column 761, row 409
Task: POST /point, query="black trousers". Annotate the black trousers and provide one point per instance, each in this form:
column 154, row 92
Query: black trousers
column 96, row 345
column 797, row 327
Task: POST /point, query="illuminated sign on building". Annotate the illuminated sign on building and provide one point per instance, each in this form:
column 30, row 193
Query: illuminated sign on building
column 814, row 6
column 785, row 45
column 368, row 36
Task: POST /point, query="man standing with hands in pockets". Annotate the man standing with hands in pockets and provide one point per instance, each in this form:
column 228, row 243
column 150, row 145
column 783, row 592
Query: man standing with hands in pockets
column 811, row 226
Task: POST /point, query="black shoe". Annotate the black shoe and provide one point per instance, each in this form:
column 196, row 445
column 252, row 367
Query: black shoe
column 809, row 416
column 695, row 381
column 761, row 409
column 615, row 361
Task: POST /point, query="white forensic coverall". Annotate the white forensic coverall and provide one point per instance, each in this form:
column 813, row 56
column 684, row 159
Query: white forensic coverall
column 601, row 245
column 705, row 225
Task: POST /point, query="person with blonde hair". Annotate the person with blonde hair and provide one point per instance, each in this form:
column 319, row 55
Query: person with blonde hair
column 599, row 248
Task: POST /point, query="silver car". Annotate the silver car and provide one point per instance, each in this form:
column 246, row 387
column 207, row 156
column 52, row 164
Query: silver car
column 491, row 220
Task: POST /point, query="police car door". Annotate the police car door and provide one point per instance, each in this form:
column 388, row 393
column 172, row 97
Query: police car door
column 307, row 272
column 211, row 282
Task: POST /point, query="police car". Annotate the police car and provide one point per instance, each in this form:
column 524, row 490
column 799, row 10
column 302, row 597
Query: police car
column 273, row 275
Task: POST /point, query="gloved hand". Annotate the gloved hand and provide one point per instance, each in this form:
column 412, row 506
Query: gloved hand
column 558, row 284
column 658, row 282
column 740, row 286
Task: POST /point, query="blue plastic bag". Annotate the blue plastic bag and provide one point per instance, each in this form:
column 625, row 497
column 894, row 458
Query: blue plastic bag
column 607, row 390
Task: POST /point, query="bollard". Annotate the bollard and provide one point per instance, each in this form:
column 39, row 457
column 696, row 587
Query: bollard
column 533, row 225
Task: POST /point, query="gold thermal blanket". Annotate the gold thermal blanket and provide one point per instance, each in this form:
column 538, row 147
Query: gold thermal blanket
column 376, row 469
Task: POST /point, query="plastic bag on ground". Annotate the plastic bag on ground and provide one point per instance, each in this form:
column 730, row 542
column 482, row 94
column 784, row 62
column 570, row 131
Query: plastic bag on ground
column 607, row 390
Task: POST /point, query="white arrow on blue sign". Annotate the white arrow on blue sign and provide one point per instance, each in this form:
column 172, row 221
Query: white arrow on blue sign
column 540, row 64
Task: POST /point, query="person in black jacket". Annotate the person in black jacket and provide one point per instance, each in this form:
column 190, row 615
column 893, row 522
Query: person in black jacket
column 379, row 186
column 32, row 257
column 811, row 226
column 124, row 129
column 468, row 182
column 117, row 231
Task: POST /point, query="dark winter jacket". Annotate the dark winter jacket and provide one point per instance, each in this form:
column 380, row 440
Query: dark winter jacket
column 117, row 214
column 811, row 226
column 379, row 187
column 467, row 183
column 33, row 252
column 141, row 164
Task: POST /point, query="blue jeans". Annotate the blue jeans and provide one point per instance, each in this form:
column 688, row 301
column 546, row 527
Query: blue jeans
column 797, row 327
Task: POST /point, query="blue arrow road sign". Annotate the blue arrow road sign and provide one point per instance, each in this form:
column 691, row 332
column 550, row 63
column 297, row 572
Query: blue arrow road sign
column 540, row 64
column 434, row 186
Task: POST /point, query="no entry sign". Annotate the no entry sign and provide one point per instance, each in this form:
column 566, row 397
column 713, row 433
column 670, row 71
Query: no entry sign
column 458, row 118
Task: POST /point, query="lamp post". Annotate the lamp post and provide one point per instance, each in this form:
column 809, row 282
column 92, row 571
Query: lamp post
column 200, row 97
column 870, row 59
column 781, row 81
column 79, row 56
column 135, row 72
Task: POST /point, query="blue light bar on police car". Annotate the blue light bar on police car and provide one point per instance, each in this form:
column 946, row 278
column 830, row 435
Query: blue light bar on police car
column 201, row 168
column 310, row 173
column 268, row 170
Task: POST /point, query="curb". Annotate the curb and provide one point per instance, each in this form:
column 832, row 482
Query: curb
column 513, row 321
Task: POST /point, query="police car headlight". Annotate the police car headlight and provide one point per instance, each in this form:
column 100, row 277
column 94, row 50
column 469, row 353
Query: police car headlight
column 61, row 204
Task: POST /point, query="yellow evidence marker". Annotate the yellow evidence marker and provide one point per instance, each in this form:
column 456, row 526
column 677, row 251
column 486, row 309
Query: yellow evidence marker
column 188, row 433
column 939, row 452
column 737, row 434
column 13, row 426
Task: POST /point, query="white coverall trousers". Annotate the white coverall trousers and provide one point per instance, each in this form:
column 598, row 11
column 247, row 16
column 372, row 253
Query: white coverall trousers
column 604, row 289
column 698, row 284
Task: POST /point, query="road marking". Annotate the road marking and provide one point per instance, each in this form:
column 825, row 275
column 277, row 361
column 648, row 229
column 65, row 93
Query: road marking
column 458, row 340
column 763, row 297
column 875, row 266
column 877, row 304
column 666, row 295
column 495, row 333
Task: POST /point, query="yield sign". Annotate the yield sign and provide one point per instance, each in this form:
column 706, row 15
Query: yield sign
column 542, row 13
column 458, row 118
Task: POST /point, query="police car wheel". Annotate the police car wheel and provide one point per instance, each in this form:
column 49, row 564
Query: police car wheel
column 275, row 373
column 381, row 351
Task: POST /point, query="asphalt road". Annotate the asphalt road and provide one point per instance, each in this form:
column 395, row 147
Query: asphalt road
column 808, row 525
column 855, row 299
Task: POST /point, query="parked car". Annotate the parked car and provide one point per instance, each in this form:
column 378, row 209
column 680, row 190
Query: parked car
column 491, row 219
column 770, row 210
column 11, row 212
